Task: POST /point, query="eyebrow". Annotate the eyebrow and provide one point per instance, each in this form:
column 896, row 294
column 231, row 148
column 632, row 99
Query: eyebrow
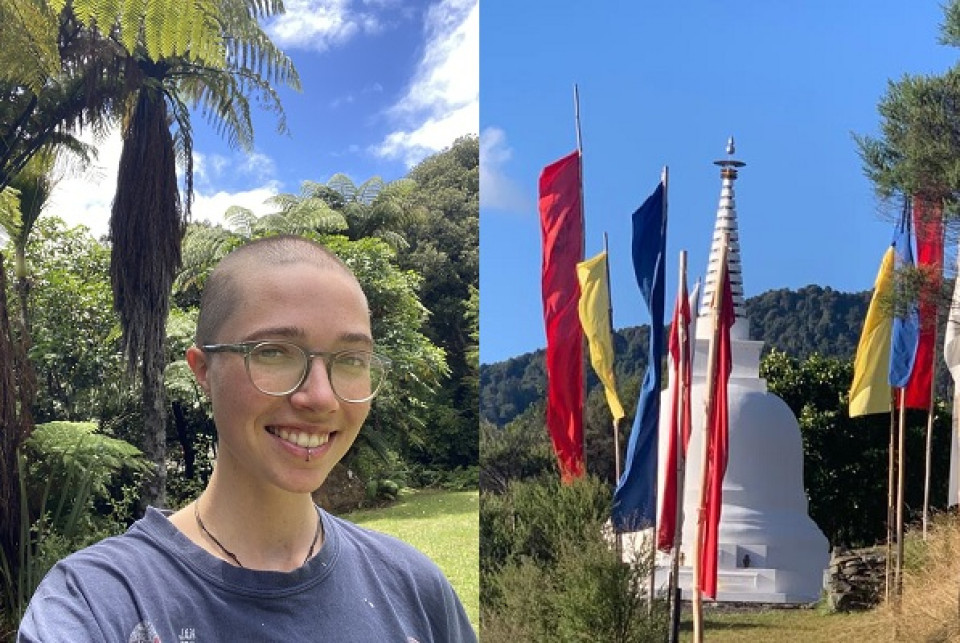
column 295, row 332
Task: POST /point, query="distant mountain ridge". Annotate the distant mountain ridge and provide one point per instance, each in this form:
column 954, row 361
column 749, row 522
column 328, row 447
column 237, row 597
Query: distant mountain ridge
column 813, row 319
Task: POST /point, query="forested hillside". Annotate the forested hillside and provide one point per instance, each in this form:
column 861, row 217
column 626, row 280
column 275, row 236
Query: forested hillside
column 797, row 322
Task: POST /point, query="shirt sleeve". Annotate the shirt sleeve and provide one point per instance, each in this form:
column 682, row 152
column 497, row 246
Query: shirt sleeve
column 59, row 611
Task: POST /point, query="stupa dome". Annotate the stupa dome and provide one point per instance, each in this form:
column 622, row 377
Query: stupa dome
column 769, row 548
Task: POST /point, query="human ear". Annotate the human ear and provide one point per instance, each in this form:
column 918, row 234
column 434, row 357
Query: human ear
column 197, row 361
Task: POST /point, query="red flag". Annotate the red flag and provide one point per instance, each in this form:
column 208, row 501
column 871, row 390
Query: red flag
column 679, row 417
column 718, row 424
column 561, row 227
column 928, row 221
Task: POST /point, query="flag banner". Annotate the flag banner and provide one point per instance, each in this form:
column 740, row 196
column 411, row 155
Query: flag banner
column 679, row 380
column 928, row 221
column 906, row 319
column 595, row 319
column 635, row 498
column 951, row 354
column 870, row 391
column 561, row 228
column 951, row 336
column 719, row 425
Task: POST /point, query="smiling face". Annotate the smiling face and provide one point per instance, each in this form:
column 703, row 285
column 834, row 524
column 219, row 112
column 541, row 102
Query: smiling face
column 263, row 439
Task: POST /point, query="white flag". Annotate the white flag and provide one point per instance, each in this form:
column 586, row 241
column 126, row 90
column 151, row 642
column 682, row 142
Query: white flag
column 951, row 353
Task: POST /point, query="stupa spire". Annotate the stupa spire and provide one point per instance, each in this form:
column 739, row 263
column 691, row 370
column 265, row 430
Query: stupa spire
column 726, row 222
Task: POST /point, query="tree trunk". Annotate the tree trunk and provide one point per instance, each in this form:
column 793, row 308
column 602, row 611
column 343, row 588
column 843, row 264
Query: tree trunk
column 11, row 433
column 27, row 376
column 186, row 443
column 155, row 431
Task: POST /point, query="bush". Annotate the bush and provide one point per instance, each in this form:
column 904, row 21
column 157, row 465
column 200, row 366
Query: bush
column 58, row 454
column 549, row 574
column 533, row 518
column 72, row 495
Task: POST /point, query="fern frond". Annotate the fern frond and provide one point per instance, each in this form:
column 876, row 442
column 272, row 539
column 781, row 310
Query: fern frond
column 28, row 33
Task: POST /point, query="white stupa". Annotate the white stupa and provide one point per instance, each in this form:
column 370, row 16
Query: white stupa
column 770, row 549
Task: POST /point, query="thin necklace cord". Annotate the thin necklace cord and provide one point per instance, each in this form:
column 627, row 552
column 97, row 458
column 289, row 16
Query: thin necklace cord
column 233, row 557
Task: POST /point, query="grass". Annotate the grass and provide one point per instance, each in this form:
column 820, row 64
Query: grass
column 806, row 625
column 929, row 610
column 443, row 525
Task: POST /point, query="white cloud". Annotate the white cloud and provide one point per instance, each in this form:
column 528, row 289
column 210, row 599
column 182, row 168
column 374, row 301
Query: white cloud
column 442, row 101
column 497, row 190
column 319, row 25
column 85, row 197
column 212, row 207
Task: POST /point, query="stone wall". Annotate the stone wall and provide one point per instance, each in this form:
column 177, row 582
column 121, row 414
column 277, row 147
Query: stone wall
column 856, row 580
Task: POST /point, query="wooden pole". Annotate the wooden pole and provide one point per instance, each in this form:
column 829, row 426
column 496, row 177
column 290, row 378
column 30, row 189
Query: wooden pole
column 927, row 456
column 706, row 436
column 891, row 499
column 900, row 484
column 681, row 375
column 929, row 445
column 618, row 537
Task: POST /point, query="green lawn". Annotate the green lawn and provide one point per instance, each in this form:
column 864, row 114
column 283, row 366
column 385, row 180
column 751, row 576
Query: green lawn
column 751, row 626
column 445, row 526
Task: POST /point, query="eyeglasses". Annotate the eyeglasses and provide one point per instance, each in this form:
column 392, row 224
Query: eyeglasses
column 281, row 368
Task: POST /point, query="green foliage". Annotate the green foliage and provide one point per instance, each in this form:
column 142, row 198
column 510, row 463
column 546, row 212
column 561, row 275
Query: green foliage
column 519, row 451
column 534, row 517
column 845, row 459
column 74, row 334
column 549, row 574
column 58, row 452
column 811, row 319
column 76, row 487
column 918, row 151
column 438, row 208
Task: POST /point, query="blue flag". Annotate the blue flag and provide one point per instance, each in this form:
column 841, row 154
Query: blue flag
column 635, row 499
column 906, row 322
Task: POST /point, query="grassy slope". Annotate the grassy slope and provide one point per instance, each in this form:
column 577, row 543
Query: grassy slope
column 443, row 525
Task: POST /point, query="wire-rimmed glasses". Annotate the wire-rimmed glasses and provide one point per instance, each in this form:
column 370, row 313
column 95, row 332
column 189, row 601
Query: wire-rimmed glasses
column 280, row 368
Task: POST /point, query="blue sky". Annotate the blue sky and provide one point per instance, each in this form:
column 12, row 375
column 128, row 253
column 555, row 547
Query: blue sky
column 666, row 83
column 385, row 83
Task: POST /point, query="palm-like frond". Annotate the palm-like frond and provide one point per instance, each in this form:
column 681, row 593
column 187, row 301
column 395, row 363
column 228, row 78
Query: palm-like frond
column 369, row 190
column 203, row 247
column 301, row 216
column 10, row 211
column 241, row 220
column 28, row 31
column 344, row 186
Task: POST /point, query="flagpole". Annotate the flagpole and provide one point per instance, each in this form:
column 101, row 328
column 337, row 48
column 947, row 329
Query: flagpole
column 616, row 425
column 929, row 448
column 681, row 375
column 706, row 435
column 891, row 497
column 664, row 179
column 900, row 483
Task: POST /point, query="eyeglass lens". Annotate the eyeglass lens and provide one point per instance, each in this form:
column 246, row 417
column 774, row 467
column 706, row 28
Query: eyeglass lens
column 279, row 368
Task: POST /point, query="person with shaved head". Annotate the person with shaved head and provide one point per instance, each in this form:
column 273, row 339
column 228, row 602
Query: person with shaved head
column 285, row 353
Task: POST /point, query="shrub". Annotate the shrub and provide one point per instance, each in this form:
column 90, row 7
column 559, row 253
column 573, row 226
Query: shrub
column 549, row 574
column 67, row 469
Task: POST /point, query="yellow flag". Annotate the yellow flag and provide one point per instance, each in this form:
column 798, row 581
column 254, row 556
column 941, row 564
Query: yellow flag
column 870, row 391
column 595, row 319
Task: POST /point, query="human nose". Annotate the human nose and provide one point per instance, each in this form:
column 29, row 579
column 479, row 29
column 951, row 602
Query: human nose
column 316, row 391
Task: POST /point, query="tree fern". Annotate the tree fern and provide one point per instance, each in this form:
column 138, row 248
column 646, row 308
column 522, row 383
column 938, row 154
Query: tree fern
column 28, row 31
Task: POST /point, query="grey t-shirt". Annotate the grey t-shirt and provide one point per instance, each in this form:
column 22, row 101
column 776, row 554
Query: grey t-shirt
column 152, row 584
